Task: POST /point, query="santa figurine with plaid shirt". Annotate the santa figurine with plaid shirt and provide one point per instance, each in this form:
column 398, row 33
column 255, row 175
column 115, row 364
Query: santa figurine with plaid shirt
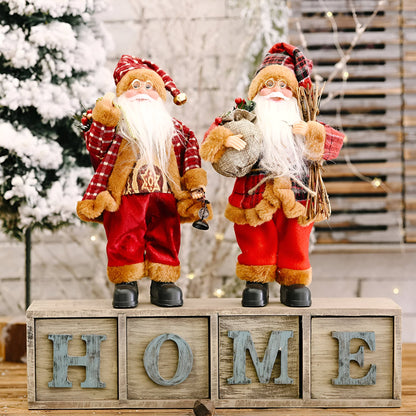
column 148, row 179
column 267, row 205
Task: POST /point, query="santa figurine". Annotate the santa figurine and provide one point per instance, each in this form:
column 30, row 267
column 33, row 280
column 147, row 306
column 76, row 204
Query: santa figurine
column 268, row 202
column 148, row 179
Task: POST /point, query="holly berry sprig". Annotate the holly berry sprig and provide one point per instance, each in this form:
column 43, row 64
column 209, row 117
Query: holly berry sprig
column 242, row 104
column 84, row 121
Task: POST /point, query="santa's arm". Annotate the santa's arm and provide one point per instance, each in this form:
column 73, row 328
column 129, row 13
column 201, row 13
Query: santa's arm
column 321, row 140
column 98, row 140
column 213, row 146
column 99, row 137
column 333, row 142
column 193, row 176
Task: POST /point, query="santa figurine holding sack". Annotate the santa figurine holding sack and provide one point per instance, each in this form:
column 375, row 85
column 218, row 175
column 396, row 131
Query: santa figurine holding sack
column 269, row 205
column 148, row 179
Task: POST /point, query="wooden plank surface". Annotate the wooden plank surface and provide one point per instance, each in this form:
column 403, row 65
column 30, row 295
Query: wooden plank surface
column 325, row 351
column 205, row 307
column 44, row 365
column 141, row 331
column 13, row 400
column 260, row 328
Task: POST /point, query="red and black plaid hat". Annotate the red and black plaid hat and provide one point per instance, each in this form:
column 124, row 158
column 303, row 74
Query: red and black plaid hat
column 283, row 61
column 129, row 67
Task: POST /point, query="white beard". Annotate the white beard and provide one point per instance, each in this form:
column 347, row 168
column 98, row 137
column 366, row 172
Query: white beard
column 283, row 152
column 149, row 128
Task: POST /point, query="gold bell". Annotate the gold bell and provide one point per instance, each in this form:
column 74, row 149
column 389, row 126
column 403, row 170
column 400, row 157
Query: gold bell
column 180, row 99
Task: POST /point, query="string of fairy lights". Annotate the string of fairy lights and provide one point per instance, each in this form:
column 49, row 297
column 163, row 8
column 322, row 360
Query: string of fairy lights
column 341, row 66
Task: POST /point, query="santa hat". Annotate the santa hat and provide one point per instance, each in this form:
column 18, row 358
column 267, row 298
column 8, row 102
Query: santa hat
column 130, row 68
column 286, row 62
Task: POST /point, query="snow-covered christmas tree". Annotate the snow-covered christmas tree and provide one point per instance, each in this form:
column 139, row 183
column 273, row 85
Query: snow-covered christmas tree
column 52, row 64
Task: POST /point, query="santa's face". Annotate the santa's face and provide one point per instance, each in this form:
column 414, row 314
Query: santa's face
column 274, row 89
column 141, row 90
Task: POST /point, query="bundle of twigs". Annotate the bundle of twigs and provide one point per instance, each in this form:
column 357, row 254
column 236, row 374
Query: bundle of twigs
column 318, row 207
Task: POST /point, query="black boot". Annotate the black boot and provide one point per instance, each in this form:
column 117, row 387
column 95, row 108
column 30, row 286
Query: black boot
column 295, row 296
column 255, row 295
column 165, row 294
column 126, row 295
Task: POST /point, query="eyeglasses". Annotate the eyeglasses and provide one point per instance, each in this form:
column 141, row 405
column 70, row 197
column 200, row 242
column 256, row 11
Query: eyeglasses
column 271, row 83
column 136, row 84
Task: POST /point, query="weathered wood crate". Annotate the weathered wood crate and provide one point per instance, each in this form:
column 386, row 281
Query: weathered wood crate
column 338, row 353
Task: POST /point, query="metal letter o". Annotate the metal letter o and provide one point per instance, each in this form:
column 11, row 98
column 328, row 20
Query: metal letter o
column 151, row 360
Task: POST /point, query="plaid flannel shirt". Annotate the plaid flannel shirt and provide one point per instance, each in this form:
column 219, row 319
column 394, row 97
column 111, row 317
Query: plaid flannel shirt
column 103, row 145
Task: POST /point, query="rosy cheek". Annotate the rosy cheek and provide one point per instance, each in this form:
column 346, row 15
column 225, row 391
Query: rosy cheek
column 287, row 92
column 130, row 93
column 152, row 93
column 265, row 91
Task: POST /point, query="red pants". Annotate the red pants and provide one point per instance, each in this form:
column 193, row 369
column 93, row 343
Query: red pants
column 146, row 226
column 281, row 242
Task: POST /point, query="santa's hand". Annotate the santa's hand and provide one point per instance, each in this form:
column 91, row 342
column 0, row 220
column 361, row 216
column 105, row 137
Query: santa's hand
column 108, row 98
column 300, row 128
column 105, row 112
column 198, row 193
column 235, row 142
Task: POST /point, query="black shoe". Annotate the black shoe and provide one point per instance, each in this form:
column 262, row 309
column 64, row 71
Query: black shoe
column 255, row 295
column 165, row 294
column 126, row 295
column 295, row 296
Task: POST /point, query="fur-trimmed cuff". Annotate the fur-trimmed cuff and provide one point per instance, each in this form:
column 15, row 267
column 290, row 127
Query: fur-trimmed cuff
column 255, row 273
column 105, row 113
column 288, row 277
column 188, row 210
column 91, row 209
column 213, row 147
column 194, row 179
column 315, row 140
column 125, row 274
column 159, row 272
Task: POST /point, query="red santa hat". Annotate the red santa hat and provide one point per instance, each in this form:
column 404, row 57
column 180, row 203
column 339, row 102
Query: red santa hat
column 130, row 68
column 286, row 62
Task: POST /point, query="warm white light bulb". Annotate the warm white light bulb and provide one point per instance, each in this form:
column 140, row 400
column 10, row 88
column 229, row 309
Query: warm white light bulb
column 376, row 182
column 219, row 293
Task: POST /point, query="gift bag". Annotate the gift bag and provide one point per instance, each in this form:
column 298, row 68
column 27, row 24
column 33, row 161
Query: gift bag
column 238, row 163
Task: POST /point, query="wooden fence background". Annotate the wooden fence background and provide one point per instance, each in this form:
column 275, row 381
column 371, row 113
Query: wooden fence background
column 373, row 183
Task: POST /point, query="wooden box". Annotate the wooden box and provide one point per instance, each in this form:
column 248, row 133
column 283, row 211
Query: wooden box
column 337, row 353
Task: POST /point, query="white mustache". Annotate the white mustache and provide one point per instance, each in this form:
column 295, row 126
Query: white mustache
column 276, row 94
column 141, row 97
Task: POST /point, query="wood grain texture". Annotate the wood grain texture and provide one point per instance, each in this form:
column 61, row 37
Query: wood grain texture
column 371, row 100
column 260, row 328
column 76, row 347
column 13, row 399
column 325, row 358
column 204, row 325
column 141, row 331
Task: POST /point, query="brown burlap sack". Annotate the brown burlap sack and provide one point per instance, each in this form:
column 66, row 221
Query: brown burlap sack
column 237, row 163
